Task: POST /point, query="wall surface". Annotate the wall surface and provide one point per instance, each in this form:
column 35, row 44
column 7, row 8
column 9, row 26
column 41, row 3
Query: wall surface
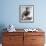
column 9, row 13
column 9, row 10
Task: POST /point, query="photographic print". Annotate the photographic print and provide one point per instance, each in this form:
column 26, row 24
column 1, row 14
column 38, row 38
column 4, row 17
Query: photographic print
column 26, row 13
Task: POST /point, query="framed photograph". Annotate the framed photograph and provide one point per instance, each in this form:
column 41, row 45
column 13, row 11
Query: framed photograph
column 26, row 13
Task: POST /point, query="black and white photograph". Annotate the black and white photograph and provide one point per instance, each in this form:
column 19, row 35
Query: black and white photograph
column 26, row 13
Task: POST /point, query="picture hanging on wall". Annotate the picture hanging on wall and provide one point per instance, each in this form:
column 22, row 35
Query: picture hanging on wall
column 26, row 13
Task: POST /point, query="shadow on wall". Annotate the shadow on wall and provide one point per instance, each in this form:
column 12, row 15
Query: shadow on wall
column 2, row 26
